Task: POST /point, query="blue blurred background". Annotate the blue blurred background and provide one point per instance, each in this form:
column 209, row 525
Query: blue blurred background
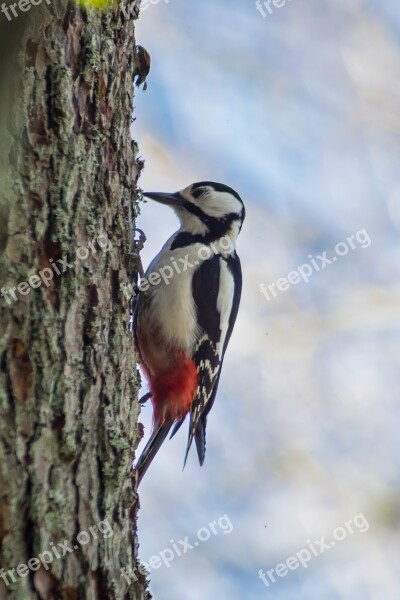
column 298, row 110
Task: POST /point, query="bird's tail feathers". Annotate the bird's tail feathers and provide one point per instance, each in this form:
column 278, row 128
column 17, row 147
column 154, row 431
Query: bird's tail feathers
column 151, row 448
column 198, row 432
column 200, row 439
column 177, row 426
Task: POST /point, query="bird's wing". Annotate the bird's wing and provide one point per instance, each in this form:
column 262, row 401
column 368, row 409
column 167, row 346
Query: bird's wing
column 217, row 286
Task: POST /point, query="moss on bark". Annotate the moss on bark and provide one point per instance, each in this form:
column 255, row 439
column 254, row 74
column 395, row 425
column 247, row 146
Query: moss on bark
column 68, row 388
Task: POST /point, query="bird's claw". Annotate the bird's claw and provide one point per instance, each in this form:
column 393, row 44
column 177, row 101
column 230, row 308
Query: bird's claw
column 144, row 398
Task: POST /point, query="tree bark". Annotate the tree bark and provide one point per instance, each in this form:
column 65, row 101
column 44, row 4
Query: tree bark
column 68, row 379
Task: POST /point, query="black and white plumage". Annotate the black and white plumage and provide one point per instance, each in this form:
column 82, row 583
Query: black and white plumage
column 183, row 325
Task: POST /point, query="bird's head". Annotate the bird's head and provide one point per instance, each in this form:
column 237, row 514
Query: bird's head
column 206, row 208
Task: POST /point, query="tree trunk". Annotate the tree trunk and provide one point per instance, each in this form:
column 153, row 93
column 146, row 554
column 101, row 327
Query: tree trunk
column 68, row 384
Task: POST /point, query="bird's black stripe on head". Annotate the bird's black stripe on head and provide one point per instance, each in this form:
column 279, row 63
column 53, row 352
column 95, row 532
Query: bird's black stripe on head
column 218, row 187
column 221, row 187
column 217, row 228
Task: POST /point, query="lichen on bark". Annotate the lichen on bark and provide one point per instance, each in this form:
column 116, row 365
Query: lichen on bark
column 68, row 384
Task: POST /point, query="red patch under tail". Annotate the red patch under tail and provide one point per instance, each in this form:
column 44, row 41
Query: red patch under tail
column 173, row 392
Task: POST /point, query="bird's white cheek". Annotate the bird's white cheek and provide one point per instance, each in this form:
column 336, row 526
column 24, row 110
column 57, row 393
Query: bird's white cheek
column 191, row 223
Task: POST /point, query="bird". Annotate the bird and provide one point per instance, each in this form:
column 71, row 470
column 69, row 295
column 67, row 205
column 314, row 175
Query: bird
column 186, row 310
column 142, row 67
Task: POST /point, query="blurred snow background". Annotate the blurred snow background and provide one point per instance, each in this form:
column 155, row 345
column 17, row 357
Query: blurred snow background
column 299, row 112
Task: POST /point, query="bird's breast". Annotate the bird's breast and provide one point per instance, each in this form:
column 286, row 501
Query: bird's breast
column 168, row 299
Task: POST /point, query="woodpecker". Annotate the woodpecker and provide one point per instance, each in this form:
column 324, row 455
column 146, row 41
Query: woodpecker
column 182, row 323
column 143, row 66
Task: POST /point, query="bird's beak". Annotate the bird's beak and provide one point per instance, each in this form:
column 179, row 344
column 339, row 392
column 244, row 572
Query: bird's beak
column 172, row 200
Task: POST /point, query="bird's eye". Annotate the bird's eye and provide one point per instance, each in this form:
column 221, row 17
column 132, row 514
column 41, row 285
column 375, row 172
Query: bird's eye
column 198, row 192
